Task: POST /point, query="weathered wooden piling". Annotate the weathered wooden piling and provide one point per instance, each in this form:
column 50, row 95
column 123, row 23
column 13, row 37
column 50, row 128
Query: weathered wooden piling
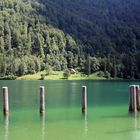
column 42, row 100
column 138, row 97
column 132, row 99
column 5, row 101
column 84, row 99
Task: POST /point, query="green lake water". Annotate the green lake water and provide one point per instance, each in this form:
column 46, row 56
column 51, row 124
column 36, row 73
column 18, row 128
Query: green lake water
column 107, row 116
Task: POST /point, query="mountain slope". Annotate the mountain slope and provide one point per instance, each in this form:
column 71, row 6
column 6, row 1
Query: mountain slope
column 91, row 35
column 101, row 25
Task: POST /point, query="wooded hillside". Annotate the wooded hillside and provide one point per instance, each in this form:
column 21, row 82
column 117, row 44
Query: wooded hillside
column 91, row 35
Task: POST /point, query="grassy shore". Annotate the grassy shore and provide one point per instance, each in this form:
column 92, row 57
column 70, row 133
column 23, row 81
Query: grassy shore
column 58, row 75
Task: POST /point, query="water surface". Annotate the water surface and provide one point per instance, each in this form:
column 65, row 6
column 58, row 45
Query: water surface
column 107, row 117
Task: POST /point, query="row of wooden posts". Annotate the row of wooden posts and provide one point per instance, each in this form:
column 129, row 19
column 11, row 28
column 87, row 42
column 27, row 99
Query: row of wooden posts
column 134, row 99
column 42, row 100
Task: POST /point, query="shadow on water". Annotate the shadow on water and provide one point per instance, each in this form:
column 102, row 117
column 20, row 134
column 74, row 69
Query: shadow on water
column 134, row 130
column 42, row 118
column 123, row 116
column 115, row 116
column 6, row 127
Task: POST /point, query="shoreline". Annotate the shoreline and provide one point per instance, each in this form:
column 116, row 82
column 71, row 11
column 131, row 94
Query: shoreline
column 58, row 75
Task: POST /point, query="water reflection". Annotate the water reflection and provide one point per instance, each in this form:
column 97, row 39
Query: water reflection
column 42, row 127
column 6, row 128
column 136, row 130
column 85, row 124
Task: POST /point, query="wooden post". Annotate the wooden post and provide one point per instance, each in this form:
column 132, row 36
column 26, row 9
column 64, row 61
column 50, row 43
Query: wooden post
column 138, row 97
column 84, row 99
column 5, row 101
column 132, row 99
column 42, row 100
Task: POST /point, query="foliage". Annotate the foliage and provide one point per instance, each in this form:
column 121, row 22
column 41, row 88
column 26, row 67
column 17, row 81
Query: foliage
column 105, row 29
column 100, row 35
column 101, row 74
column 27, row 44
column 48, row 70
column 9, row 77
column 42, row 76
column 66, row 74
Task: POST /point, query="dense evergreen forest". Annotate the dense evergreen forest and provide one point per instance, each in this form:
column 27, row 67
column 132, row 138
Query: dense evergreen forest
column 91, row 35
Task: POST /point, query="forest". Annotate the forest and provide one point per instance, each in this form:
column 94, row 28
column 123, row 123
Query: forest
column 88, row 35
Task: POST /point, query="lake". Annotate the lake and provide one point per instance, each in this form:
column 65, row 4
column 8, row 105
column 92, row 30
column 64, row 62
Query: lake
column 107, row 118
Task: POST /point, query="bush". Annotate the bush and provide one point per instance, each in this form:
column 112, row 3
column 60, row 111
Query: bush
column 42, row 77
column 107, row 74
column 66, row 74
column 101, row 74
column 8, row 77
column 48, row 69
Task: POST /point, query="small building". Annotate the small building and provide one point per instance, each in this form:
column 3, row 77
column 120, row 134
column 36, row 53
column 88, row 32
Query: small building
column 72, row 71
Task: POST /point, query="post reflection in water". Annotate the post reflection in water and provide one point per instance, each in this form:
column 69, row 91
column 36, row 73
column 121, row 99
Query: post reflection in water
column 135, row 132
column 6, row 127
column 135, row 128
column 42, row 127
column 85, row 124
